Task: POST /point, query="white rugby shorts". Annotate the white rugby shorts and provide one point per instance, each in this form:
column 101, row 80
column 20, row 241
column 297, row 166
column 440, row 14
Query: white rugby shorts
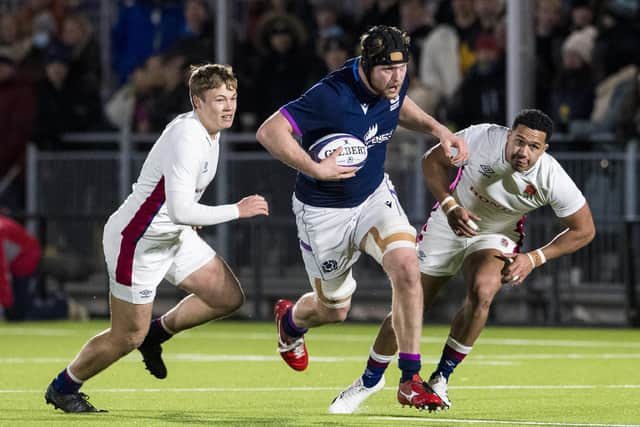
column 441, row 253
column 330, row 239
column 136, row 268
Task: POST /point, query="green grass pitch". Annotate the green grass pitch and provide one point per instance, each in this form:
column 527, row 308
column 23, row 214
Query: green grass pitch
column 229, row 374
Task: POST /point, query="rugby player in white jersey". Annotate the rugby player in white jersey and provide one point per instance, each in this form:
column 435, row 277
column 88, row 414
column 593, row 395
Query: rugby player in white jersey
column 475, row 227
column 151, row 237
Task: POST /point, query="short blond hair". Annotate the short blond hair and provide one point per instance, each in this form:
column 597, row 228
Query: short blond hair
column 210, row 76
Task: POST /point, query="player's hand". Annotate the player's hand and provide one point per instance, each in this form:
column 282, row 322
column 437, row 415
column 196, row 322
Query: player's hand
column 516, row 268
column 463, row 222
column 449, row 140
column 253, row 205
column 328, row 169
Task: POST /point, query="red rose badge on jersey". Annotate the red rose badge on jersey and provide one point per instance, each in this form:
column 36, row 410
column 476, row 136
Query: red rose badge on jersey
column 530, row 191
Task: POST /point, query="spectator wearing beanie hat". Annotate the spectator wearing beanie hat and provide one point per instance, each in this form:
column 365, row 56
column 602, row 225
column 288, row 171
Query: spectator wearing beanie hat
column 574, row 88
column 580, row 43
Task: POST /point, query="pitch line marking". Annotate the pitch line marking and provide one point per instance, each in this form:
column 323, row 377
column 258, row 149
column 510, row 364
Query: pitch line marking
column 336, row 338
column 479, row 359
column 286, row 389
column 502, row 422
column 221, row 358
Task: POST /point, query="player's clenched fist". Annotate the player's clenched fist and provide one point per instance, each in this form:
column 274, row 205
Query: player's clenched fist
column 252, row 206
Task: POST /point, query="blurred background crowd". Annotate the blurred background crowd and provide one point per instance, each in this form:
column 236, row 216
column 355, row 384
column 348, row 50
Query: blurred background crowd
column 71, row 66
column 53, row 78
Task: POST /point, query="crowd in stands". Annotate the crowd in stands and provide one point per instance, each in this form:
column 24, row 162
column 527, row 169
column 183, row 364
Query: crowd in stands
column 586, row 73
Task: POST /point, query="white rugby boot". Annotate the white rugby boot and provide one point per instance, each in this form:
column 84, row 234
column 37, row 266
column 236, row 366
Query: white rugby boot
column 352, row 397
column 438, row 385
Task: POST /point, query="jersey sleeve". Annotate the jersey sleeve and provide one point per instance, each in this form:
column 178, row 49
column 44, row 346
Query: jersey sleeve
column 565, row 198
column 182, row 163
column 471, row 136
column 180, row 169
column 313, row 110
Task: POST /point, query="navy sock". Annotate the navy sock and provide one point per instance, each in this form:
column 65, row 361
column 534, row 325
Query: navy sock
column 409, row 364
column 373, row 372
column 156, row 335
column 452, row 354
column 64, row 384
column 290, row 328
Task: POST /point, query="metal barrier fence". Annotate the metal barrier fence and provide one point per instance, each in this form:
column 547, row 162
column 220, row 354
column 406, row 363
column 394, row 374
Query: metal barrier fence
column 70, row 194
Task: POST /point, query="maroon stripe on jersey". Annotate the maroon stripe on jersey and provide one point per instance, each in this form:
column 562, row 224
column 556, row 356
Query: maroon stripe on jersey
column 520, row 230
column 134, row 231
column 452, row 354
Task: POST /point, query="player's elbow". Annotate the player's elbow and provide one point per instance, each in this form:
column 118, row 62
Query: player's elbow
column 274, row 129
column 264, row 133
column 586, row 235
column 590, row 234
column 178, row 216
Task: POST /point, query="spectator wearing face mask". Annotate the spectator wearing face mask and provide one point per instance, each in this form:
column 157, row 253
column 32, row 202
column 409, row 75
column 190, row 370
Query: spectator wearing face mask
column 44, row 28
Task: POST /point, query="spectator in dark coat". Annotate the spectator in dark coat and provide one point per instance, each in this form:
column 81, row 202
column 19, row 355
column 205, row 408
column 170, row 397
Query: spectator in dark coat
column 481, row 96
column 574, row 88
column 197, row 41
column 62, row 104
column 85, row 66
column 284, row 68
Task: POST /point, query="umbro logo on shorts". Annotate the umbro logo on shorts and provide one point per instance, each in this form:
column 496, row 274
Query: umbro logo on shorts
column 146, row 293
column 388, row 203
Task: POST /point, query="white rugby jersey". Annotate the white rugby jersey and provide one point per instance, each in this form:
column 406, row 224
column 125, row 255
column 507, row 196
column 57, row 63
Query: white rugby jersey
column 177, row 170
column 501, row 196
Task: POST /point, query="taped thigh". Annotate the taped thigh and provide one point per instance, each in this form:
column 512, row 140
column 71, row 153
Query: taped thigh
column 334, row 293
column 380, row 240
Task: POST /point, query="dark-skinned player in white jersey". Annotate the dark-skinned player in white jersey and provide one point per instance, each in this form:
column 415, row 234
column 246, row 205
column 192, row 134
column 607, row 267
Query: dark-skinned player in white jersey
column 477, row 228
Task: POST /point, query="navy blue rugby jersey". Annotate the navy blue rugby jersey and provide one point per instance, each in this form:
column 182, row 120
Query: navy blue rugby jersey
column 341, row 103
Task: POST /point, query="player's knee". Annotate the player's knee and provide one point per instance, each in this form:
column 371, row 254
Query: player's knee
column 129, row 341
column 483, row 290
column 234, row 300
column 404, row 271
column 334, row 294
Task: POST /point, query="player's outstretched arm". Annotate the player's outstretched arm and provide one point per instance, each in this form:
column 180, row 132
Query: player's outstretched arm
column 251, row 206
column 276, row 135
column 435, row 171
column 414, row 118
column 579, row 232
column 435, row 168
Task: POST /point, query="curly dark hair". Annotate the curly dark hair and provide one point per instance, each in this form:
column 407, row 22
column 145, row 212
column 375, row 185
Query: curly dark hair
column 535, row 119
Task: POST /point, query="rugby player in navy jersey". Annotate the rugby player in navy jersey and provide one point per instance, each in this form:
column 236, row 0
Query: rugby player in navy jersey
column 341, row 213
